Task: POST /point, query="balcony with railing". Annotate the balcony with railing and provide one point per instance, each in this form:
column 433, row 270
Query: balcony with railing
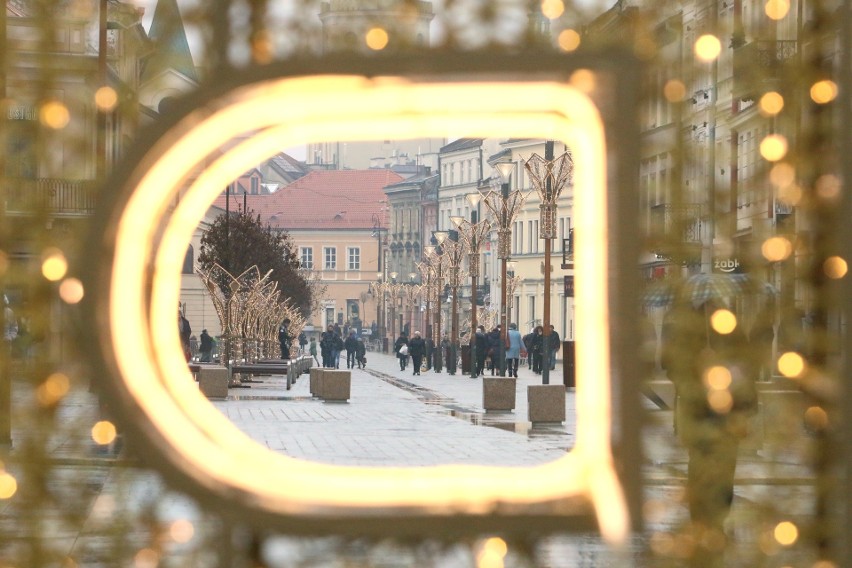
column 675, row 230
column 758, row 65
column 56, row 197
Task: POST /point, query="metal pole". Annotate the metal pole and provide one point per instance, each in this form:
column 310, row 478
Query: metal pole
column 545, row 368
column 454, row 341
column 438, row 354
column 503, row 316
column 473, row 324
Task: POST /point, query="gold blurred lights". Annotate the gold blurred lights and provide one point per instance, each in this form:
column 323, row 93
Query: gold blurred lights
column 146, row 558
column 492, row 553
column 718, row 378
column 674, row 90
column 8, row 485
column 791, row 365
column 771, row 103
column 776, row 9
column 71, row 291
column 181, row 531
column 773, row 147
column 103, row 432
column 377, row 39
column 552, row 9
column 828, row 186
column 835, row 267
column 723, row 321
column 707, row 47
column 786, row 533
column 775, row 249
column 824, row 91
column 782, row 174
column 53, row 389
column 53, row 264
column 584, row 80
column 816, row 418
column 106, row 99
column 55, row 115
column 568, row 40
column 721, row 401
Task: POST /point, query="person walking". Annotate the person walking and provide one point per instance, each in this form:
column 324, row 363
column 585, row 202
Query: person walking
column 351, row 346
column 416, row 348
column 513, row 351
column 361, row 353
column 337, row 349
column 494, row 349
column 327, row 347
column 481, row 349
column 537, row 348
column 528, row 345
column 312, row 349
column 555, row 344
column 400, row 347
column 284, row 339
column 303, row 341
column 206, row 347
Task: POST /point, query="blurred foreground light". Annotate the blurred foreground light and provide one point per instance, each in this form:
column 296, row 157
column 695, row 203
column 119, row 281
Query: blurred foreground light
column 718, row 378
column 776, row 9
column 674, row 90
column 723, row 321
column 823, row 92
column 376, row 39
column 71, row 291
column 782, row 174
column 707, row 48
column 8, row 485
column 53, row 264
column 771, row 103
column 786, row 533
column 828, row 186
column 835, row 267
column 181, row 531
column 146, row 558
column 773, row 147
column 584, row 80
column 720, row 401
column 54, row 115
column 568, row 40
column 4, row 263
column 103, row 432
column 775, row 249
column 791, row 365
column 816, row 418
column 552, row 9
column 53, row 389
column 106, row 98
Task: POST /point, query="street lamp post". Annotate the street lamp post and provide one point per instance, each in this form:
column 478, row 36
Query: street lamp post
column 438, row 261
column 549, row 177
column 425, row 269
column 473, row 232
column 504, row 207
column 453, row 252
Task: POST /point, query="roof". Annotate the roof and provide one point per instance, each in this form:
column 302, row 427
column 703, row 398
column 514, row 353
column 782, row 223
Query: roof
column 323, row 199
column 462, row 144
column 172, row 48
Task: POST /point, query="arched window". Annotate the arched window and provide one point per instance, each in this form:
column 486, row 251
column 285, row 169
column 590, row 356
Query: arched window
column 188, row 261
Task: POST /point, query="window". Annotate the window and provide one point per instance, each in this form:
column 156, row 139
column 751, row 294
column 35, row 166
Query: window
column 330, row 254
column 188, row 261
column 307, row 255
column 354, row 255
column 255, row 186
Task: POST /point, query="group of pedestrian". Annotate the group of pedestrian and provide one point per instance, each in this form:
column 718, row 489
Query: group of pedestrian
column 414, row 348
column 332, row 345
column 534, row 343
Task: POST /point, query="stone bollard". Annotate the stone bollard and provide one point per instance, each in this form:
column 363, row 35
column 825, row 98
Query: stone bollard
column 316, row 381
column 498, row 393
column 213, row 381
column 335, row 385
column 546, row 403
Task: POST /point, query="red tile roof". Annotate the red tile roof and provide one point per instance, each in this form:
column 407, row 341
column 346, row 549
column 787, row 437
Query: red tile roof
column 337, row 199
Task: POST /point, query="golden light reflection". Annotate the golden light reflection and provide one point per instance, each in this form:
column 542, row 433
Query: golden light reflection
column 53, row 264
column 771, row 103
column 791, row 365
column 71, row 291
column 773, row 147
column 707, row 48
column 568, row 40
column 552, row 9
column 828, row 186
column 8, row 485
column 181, row 531
column 835, row 267
column 584, row 80
column 720, row 401
column 717, row 378
column 786, row 533
column 106, row 99
column 782, row 174
column 775, row 249
column 723, row 321
column 776, row 9
column 343, row 108
column 53, row 389
column 376, row 39
column 103, row 432
column 823, row 92
column 816, row 418
column 54, row 115
column 674, row 90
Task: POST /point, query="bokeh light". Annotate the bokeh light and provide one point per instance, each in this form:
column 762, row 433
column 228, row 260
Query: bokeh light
column 776, row 9
column 773, row 147
column 707, row 47
column 106, row 99
column 791, row 365
column 181, row 531
column 723, row 321
column 835, row 267
column 771, row 103
column 8, row 485
column 720, row 401
column 718, row 378
column 775, row 249
column 552, row 9
column 568, row 40
column 828, row 186
column 54, row 265
column 584, row 80
column 377, row 39
column 786, row 533
column 103, row 432
column 816, row 418
column 823, row 92
column 71, row 291
column 53, row 389
column 55, row 115
column 674, row 90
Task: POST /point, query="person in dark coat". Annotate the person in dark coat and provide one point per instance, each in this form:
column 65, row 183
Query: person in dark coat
column 206, row 347
column 327, row 346
column 537, row 348
column 481, row 349
column 284, row 339
column 397, row 346
column 303, row 341
column 416, row 348
column 336, row 350
column 351, row 346
column 361, row 353
column 528, row 345
column 494, row 349
column 555, row 344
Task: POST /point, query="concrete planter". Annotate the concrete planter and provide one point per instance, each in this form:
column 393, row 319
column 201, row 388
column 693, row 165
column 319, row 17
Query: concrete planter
column 213, row 381
column 498, row 394
column 335, row 385
column 546, row 403
column 316, row 380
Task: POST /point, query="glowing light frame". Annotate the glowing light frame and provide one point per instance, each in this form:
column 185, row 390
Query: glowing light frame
column 146, row 241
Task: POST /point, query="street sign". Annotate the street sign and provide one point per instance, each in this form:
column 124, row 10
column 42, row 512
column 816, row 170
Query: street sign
column 569, row 286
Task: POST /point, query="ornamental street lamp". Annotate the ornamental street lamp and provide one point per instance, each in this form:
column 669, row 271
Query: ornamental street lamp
column 439, row 264
column 504, row 207
column 453, row 252
column 473, row 233
column 512, row 282
column 425, row 269
column 549, row 177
